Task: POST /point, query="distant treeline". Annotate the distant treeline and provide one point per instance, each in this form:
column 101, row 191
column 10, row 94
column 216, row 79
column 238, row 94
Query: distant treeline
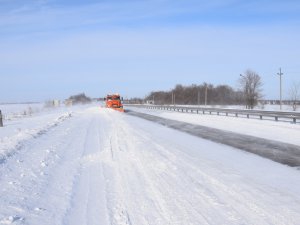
column 80, row 99
column 197, row 94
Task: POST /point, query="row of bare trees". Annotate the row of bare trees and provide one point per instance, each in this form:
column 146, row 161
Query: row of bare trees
column 248, row 93
column 197, row 95
column 80, row 99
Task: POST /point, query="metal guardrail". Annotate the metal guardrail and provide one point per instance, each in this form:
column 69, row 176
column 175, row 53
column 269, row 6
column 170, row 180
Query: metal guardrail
column 261, row 114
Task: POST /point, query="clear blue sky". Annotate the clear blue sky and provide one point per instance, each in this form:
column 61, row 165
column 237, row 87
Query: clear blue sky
column 53, row 49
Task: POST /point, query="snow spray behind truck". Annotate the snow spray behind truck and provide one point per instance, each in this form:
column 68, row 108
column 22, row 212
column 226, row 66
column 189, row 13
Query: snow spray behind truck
column 114, row 101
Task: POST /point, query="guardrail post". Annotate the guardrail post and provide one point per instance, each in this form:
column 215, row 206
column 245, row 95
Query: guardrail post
column 276, row 118
column 260, row 116
column 197, row 111
column 294, row 120
column 203, row 112
column 210, row 112
column 236, row 115
column 1, row 119
column 226, row 113
column 248, row 116
column 218, row 113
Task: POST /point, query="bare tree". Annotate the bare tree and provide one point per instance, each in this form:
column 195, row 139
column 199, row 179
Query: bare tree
column 295, row 95
column 251, row 85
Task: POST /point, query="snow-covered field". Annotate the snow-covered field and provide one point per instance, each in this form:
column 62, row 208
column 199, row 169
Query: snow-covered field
column 11, row 111
column 91, row 165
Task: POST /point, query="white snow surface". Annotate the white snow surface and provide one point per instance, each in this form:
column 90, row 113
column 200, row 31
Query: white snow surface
column 11, row 111
column 97, row 166
column 282, row 131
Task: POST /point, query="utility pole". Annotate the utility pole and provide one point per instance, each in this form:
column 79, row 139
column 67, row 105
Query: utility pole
column 174, row 98
column 205, row 95
column 245, row 90
column 280, row 74
column 1, row 119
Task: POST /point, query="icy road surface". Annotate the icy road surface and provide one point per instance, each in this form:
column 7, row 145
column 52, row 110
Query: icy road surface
column 104, row 167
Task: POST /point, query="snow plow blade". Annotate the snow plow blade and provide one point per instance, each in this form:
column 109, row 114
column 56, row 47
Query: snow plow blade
column 119, row 109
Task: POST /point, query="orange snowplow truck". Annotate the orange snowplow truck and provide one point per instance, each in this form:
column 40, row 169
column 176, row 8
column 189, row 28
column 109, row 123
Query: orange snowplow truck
column 114, row 101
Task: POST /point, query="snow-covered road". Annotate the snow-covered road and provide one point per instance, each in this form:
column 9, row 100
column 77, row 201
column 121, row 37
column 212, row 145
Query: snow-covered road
column 104, row 167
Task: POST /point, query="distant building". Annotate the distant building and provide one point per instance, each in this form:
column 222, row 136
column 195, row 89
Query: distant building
column 68, row 102
column 52, row 103
column 56, row 103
